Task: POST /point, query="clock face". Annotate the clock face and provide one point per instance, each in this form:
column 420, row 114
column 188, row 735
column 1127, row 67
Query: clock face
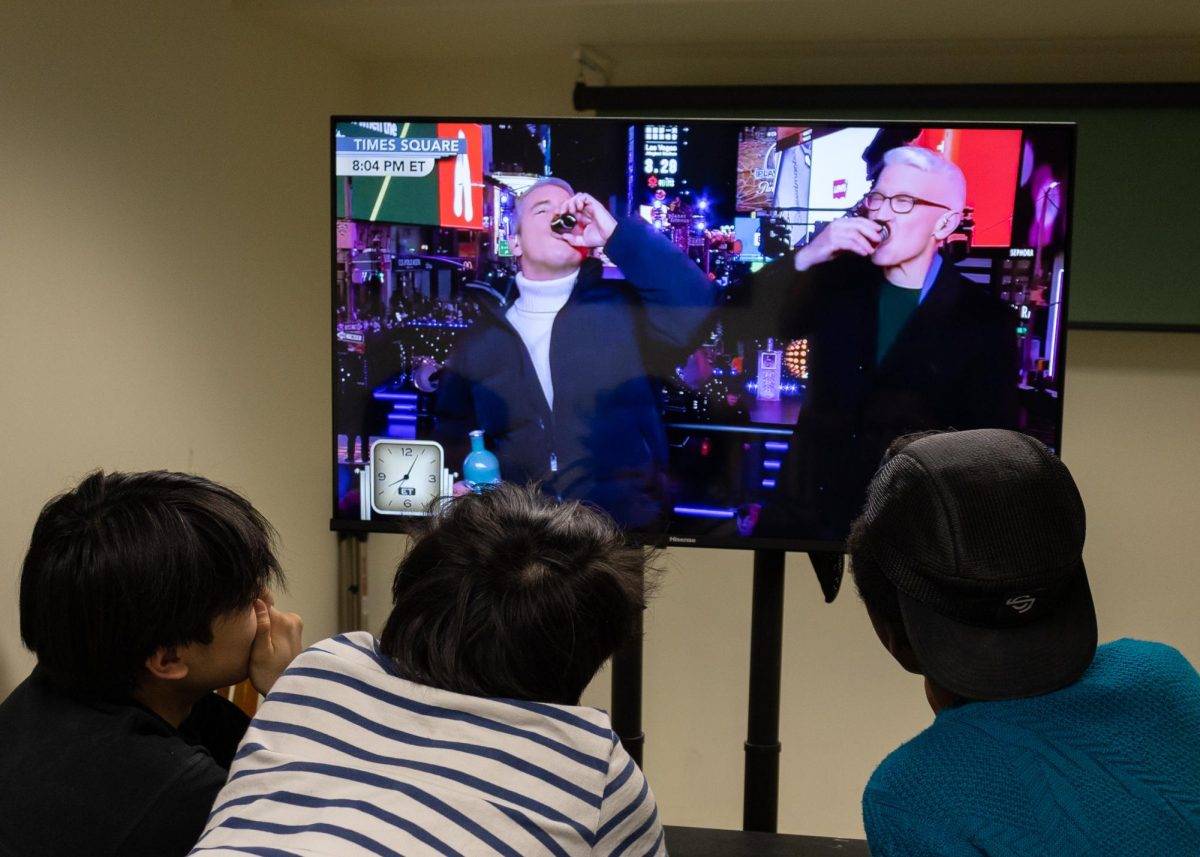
column 406, row 476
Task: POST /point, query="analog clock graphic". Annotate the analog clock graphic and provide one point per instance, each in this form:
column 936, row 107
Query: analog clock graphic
column 406, row 476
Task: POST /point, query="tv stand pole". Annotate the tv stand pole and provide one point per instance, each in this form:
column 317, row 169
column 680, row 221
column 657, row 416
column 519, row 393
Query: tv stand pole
column 760, row 796
column 352, row 581
column 627, row 693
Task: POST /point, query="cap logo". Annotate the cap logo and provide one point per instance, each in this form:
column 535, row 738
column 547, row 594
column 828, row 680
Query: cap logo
column 1021, row 603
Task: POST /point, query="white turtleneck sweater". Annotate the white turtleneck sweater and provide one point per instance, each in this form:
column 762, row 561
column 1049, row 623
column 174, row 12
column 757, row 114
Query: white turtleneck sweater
column 532, row 314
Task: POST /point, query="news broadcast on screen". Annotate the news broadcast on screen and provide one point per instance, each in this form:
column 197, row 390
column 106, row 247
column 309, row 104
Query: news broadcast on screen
column 711, row 329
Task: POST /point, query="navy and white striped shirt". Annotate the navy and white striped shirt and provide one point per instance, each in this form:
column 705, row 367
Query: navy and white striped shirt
column 344, row 757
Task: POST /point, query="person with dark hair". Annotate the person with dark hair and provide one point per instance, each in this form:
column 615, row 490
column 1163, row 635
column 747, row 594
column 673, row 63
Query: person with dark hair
column 969, row 559
column 459, row 731
column 561, row 380
column 140, row 594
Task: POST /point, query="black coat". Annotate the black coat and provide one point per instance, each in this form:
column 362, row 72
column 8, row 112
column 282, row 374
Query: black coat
column 953, row 365
column 604, row 441
column 82, row 776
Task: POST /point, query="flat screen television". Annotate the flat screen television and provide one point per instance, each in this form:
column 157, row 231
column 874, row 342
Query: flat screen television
column 718, row 342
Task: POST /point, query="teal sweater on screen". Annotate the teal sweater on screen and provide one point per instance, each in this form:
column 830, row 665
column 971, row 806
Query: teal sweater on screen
column 1107, row 766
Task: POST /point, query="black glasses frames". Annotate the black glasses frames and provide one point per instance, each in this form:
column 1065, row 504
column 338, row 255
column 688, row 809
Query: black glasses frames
column 901, row 203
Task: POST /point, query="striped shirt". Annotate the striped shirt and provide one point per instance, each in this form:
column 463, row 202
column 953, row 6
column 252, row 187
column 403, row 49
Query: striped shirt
column 345, row 757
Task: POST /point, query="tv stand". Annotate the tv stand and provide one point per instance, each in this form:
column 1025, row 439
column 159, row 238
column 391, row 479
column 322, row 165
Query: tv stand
column 760, row 796
column 627, row 694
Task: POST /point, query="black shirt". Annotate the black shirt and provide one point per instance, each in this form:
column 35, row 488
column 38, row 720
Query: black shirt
column 103, row 778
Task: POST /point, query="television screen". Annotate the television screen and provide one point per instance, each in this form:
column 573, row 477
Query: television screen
column 712, row 329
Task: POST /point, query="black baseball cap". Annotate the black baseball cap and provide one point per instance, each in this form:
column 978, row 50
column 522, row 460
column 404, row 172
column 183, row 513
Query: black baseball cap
column 981, row 532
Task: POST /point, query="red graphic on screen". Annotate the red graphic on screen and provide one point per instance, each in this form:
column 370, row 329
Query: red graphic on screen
column 460, row 178
column 990, row 160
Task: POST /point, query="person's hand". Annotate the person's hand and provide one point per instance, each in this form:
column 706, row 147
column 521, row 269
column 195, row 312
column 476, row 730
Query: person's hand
column 597, row 224
column 276, row 644
column 856, row 235
column 698, row 370
column 746, row 518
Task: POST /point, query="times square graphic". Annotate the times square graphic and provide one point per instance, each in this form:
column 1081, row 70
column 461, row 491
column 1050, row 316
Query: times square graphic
column 423, row 225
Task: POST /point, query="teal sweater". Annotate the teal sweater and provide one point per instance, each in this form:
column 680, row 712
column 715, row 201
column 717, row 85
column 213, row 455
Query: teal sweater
column 1107, row 766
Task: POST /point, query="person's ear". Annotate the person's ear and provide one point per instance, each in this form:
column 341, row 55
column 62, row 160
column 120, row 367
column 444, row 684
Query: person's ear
column 514, row 245
column 946, row 225
column 895, row 640
column 902, row 651
column 167, row 664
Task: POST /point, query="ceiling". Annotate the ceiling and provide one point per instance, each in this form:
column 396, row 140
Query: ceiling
column 618, row 30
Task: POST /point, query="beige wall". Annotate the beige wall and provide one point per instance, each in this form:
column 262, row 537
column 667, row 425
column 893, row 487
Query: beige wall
column 165, row 301
column 164, row 250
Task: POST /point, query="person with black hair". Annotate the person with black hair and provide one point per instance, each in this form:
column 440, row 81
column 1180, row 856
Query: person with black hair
column 140, row 594
column 459, row 731
column 969, row 559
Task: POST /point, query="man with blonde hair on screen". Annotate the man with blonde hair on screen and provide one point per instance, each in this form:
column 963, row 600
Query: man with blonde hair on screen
column 562, row 379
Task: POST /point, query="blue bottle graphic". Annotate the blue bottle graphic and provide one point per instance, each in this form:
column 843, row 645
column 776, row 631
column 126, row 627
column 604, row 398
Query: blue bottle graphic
column 481, row 468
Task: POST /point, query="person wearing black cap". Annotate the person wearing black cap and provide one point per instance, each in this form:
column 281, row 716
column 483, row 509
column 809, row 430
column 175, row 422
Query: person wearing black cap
column 969, row 559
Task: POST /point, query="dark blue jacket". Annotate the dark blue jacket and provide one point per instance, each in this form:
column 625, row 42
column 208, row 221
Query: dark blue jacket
column 604, row 441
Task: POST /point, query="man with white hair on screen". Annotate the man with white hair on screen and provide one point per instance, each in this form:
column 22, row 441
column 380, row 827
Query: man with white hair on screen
column 899, row 340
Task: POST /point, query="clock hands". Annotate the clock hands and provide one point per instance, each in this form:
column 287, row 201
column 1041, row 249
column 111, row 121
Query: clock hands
column 414, row 464
column 404, row 478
